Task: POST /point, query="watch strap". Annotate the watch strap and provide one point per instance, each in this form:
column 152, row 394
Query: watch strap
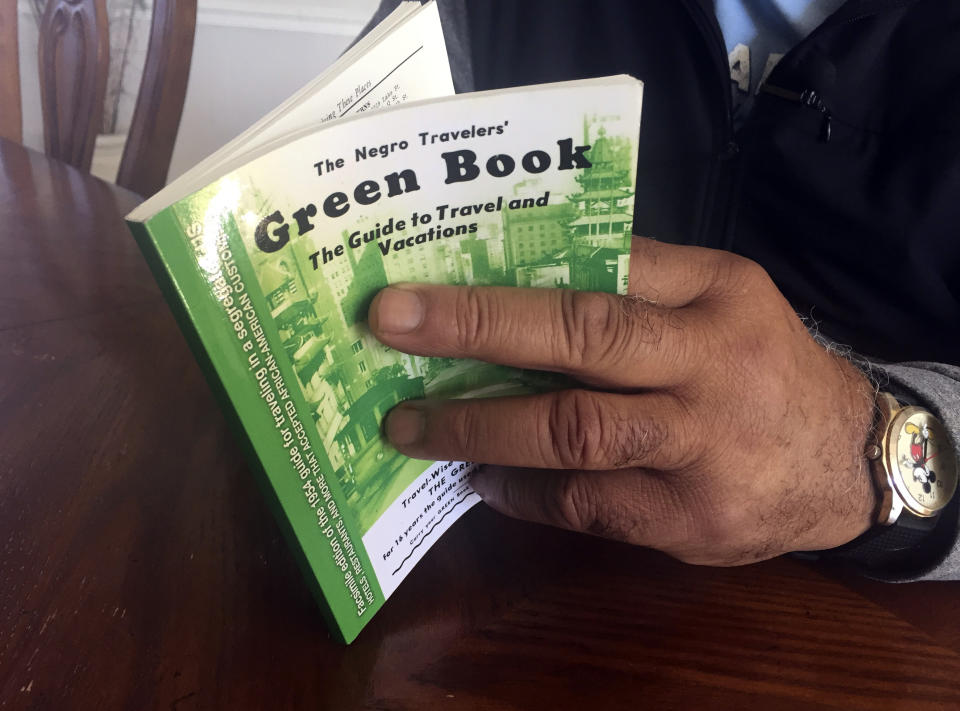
column 886, row 546
column 912, row 542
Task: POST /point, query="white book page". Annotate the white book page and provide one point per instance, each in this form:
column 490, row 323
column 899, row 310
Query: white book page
column 407, row 62
column 408, row 65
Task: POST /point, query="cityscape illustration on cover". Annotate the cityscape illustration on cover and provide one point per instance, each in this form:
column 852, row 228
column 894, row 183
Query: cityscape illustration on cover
column 537, row 236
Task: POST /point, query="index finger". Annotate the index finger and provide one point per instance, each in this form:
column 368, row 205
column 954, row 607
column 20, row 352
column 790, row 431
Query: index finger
column 600, row 338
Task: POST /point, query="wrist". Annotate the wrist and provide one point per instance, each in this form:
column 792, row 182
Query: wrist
column 863, row 416
column 914, row 472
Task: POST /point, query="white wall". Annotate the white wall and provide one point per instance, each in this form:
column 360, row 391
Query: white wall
column 248, row 56
column 29, row 78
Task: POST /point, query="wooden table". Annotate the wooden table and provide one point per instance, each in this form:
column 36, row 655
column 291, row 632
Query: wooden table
column 139, row 567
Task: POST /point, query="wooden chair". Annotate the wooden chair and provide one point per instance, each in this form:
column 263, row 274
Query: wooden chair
column 74, row 61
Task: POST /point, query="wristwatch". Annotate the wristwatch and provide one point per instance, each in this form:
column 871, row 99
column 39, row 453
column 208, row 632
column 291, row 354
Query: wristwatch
column 914, row 467
column 912, row 462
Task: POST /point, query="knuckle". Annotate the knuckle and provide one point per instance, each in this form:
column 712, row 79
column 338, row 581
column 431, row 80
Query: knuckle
column 625, row 513
column 575, row 503
column 752, row 273
column 634, row 441
column 589, row 326
column 473, row 315
column 585, row 435
column 575, row 430
column 734, row 275
column 752, row 349
column 706, row 522
column 645, row 323
column 636, row 509
column 719, row 271
column 510, row 497
column 724, row 527
column 760, row 368
column 692, row 433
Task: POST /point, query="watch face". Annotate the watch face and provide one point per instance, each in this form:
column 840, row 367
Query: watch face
column 922, row 461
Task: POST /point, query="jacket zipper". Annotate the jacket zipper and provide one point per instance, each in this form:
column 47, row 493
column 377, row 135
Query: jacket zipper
column 707, row 23
column 710, row 29
column 809, row 98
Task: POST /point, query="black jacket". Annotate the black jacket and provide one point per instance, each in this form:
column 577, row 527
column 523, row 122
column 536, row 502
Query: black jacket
column 850, row 197
column 861, row 231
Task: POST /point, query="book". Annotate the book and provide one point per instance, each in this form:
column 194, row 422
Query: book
column 270, row 251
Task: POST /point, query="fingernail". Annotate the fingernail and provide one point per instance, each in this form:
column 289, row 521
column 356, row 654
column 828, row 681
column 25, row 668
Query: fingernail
column 405, row 425
column 398, row 310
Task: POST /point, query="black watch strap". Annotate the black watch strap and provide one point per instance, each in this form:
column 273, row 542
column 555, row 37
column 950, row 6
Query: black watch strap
column 886, row 546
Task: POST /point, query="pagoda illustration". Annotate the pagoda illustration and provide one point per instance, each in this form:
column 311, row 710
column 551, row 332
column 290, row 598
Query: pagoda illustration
column 602, row 220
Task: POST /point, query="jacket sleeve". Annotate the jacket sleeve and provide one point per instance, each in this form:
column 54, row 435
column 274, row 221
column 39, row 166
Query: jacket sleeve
column 936, row 387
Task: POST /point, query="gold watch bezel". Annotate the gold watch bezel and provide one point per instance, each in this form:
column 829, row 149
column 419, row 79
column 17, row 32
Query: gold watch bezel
column 887, row 470
column 895, row 471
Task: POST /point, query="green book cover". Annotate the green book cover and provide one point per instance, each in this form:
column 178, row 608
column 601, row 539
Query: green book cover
column 271, row 268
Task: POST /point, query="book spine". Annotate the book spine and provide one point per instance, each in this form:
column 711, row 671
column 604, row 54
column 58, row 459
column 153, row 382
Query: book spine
column 208, row 282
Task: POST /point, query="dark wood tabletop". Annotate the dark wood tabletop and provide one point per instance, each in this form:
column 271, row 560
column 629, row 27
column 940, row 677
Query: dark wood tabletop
column 140, row 568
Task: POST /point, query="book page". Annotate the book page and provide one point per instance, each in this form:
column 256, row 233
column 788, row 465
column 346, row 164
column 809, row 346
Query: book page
column 409, row 64
column 406, row 62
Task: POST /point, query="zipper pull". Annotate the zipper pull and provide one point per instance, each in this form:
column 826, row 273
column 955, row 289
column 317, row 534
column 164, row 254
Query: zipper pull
column 809, row 98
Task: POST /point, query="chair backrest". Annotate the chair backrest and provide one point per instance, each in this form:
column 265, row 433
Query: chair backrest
column 156, row 118
column 10, row 111
column 74, row 63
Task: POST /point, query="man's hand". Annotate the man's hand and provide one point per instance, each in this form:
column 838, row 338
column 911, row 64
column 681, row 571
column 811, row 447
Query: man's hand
column 710, row 425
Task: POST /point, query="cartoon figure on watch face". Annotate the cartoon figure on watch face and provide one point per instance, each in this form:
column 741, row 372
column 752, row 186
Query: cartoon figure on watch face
column 917, row 461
